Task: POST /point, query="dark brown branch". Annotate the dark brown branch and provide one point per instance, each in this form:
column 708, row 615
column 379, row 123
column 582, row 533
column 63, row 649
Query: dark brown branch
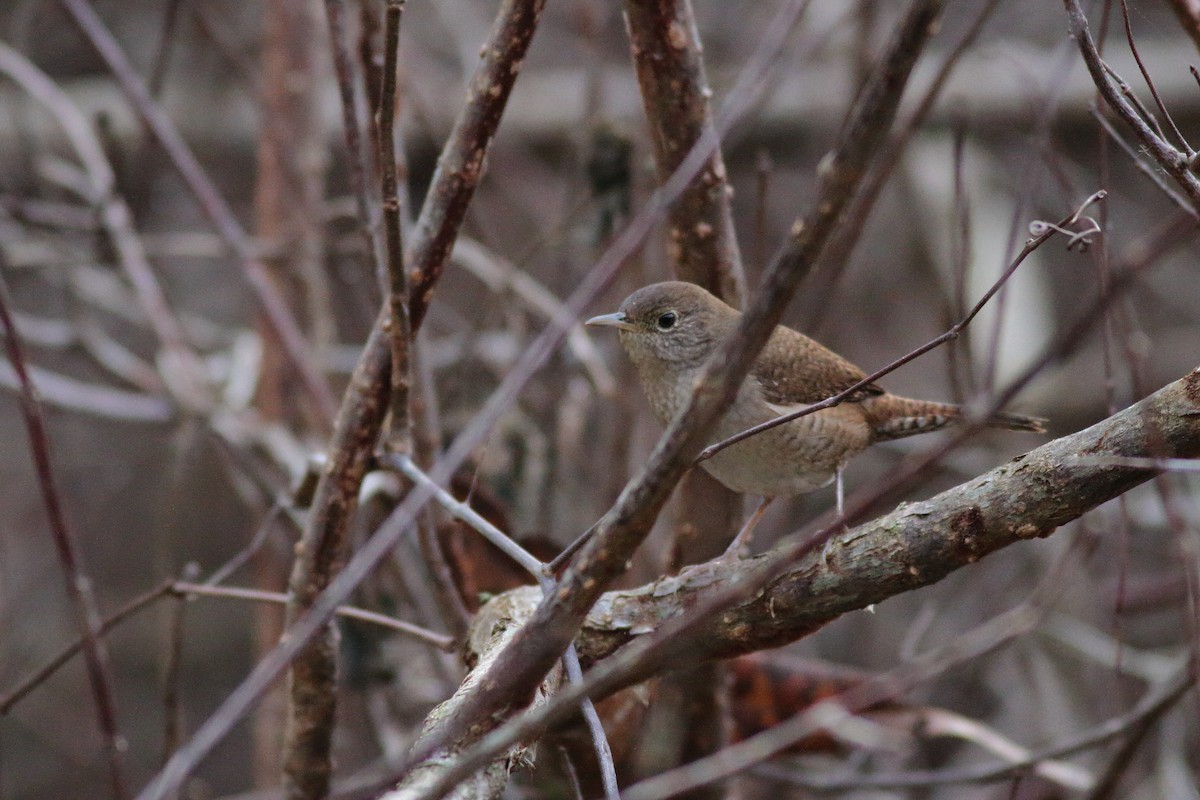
column 461, row 164
column 518, row 670
column 1137, row 57
column 320, row 554
column 667, row 54
column 78, row 584
column 1174, row 162
column 397, row 282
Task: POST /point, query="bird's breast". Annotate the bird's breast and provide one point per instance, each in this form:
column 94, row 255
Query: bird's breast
column 790, row 459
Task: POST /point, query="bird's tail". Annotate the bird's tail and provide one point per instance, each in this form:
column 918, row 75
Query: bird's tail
column 893, row 417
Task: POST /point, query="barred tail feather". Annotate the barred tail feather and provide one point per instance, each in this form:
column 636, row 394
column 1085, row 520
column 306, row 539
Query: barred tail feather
column 893, row 417
column 1018, row 422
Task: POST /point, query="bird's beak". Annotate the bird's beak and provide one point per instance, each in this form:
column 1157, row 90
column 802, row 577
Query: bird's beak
column 614, row 320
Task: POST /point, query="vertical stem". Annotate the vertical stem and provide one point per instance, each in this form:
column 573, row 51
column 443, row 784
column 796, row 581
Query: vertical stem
column 289, row 192
column 397, row 282
column 78, row 584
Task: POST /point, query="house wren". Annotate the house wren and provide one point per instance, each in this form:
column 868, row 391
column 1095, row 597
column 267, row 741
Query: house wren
column 669, row 331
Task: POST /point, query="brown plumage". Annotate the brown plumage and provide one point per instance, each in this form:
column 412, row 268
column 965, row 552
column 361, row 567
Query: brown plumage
column 670, row 329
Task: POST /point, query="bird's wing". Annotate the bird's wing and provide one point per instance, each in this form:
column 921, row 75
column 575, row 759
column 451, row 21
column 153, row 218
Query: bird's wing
column 794, row 370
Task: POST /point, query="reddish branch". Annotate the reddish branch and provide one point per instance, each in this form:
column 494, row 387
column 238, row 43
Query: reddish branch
column 397, row 283
column 289, row 195
column 360, row 164
column 319, row 556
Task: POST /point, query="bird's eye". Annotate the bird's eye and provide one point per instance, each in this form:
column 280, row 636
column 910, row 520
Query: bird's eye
column 667, row 321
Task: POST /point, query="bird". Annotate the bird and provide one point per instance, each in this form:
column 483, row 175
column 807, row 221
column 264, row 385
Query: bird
column 670, row 329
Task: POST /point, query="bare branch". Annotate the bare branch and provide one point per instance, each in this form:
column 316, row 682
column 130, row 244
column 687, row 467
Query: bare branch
column 185, row 589
column 675, row 93
column 1188, row 14
column 397, row 298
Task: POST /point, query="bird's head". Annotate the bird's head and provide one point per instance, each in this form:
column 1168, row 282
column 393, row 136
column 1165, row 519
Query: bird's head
column 672, row 324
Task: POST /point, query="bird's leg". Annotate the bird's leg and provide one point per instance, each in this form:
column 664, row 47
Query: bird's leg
column 841, row 492
column 827, row 548
column 741, row 542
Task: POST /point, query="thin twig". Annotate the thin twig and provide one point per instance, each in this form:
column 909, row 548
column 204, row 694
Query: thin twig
column 78, row 584
column 397, row 279
column 39, row 677
column 185, row 589
column 1188, row 14
column 461, row 164
column 1145, row 168
column 172, row 713
column 92, row 398
column 837, row 255
column 416, row 632
column 351, row 105
column 467, row 514
column 1170, row 159
column 502, row 276
column 1150, row 82
column 604, row 756
column 1153, row 703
